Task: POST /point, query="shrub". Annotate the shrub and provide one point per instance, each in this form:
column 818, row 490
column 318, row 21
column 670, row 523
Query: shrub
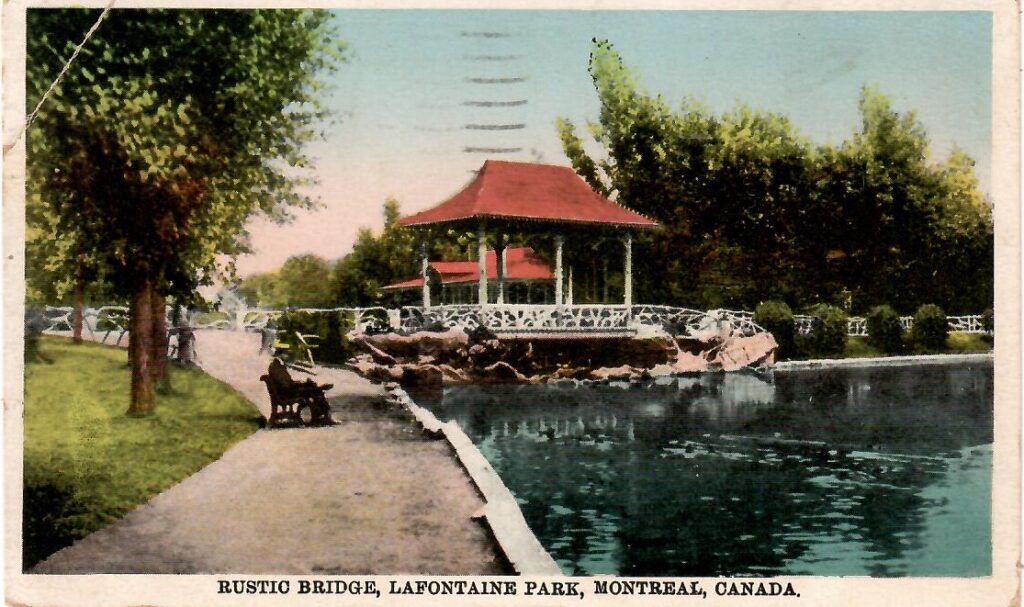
column 376, row 322
column 988, row 320
column 930, row 329
column 829, row 335
column 777, row 318
column 331, row 330
column 884, row 329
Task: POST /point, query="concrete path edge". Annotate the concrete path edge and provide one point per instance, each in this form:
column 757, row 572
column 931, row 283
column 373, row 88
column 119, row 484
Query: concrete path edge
column 501, row 512
column 883, row 361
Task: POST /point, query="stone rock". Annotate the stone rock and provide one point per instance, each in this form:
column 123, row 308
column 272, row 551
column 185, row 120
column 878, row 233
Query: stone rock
column 570, row 373
column 374, row 372
column 609, row 373
column 451, row 375
column 361, row 366
column 689, row 363
column 374, row 353
column 421, row 375
column 502, row 372
column 419, row 343
column 740, row 352
column 662, row 370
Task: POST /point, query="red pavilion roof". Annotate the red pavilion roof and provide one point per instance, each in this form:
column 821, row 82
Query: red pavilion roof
column 521, row 263
column 538, row 192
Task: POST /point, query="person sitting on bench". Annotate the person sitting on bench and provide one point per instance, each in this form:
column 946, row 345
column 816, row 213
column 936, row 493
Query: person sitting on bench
column 319, row 407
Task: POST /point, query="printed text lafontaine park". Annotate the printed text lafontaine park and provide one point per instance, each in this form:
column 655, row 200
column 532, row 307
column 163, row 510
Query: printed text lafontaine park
column 525, row 588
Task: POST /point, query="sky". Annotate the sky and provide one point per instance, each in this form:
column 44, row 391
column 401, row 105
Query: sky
column 406, row 106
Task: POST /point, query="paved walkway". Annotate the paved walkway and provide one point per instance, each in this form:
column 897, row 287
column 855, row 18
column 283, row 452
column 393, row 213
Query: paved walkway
column 371, row 495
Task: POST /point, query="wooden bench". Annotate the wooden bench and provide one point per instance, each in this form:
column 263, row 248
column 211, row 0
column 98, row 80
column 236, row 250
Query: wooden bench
column 295, row 403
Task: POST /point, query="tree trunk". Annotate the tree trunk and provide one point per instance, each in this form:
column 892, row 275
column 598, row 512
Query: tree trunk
column 76, row 315
column 158, row 344
column 140, row 347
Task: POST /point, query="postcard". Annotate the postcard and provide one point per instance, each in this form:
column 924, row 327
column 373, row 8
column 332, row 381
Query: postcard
column 526, row 303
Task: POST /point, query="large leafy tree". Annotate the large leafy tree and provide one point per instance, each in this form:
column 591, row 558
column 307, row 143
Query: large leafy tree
column 171, row 129
column 750, row 210
column 724, row 188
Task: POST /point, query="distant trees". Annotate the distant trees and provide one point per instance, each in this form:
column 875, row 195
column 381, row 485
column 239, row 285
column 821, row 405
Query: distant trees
column 752, row 211
column 302, row 282
column 376, row 260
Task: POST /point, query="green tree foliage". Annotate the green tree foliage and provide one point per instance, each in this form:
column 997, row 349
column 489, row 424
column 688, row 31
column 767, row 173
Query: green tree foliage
column 355, row 280
column 172, row 129
column 376, row 261
column 930, row 328
column 752, row 211
column 302, row 282
column 884, row 329
column 260, row 290
column 329, row 331
column 777, row 318
column 828, row 337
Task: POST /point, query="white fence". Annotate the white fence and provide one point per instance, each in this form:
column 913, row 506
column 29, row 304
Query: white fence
column 106, row 320
column 857, row 326
column 503, row 318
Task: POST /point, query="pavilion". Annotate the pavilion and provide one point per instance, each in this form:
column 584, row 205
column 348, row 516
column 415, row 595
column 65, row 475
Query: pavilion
column 527, row 198
column 529, row 278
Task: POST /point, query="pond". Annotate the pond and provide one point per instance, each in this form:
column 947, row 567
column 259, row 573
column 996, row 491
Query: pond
column 880, row 471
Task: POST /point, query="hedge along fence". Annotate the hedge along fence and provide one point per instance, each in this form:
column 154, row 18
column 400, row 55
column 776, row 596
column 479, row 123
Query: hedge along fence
column 330, row 328
column 777, row 318
column 885, row 331
column 930, row 327
column 828, row 334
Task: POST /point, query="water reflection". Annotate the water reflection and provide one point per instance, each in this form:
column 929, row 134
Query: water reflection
column 852, row 472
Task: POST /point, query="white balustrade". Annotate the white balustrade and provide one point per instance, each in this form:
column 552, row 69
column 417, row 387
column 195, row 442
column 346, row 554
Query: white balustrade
column 501, row 318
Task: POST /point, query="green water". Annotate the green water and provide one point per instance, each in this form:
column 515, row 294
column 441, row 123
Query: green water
column 883, row 472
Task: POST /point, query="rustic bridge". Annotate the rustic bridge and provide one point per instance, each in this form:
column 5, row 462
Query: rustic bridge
column 505, row 320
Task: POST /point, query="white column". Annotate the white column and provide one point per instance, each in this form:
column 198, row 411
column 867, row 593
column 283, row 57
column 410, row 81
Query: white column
column 627, row 280
column 499, row 263
column 568, row 294
column 481, row 247
column 424, row 271
column 559, row 241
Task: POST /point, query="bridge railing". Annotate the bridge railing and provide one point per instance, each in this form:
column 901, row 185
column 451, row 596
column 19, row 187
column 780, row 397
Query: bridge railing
column 113, row 320
column 517, row 317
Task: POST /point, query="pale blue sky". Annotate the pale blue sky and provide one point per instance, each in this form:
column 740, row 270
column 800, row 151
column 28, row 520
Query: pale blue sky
column 402, row 119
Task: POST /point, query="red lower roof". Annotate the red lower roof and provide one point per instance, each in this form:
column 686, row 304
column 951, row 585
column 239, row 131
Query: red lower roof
column 521, row 263
column 529, row 191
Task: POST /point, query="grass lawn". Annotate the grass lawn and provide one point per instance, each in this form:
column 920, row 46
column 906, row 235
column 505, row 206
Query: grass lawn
column 87, row 464
column 956, row 343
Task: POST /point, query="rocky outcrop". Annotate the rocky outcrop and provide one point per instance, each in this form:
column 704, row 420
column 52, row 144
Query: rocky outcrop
column 740, row 352
column 612, row 373
column 416, row 344
column 431, row 359
column 500, row 373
